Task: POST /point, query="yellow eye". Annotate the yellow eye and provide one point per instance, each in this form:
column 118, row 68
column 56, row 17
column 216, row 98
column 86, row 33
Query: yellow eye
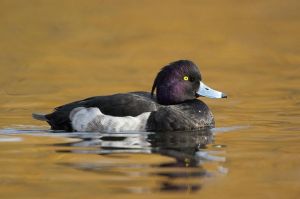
column 185, row 78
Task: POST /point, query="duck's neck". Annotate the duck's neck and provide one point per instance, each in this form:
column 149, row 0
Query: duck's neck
column 168, row 95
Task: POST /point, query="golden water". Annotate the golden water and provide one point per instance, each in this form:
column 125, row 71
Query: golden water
column 54, row 52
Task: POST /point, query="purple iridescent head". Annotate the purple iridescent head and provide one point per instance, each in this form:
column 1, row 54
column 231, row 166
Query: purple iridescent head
column 180, row 81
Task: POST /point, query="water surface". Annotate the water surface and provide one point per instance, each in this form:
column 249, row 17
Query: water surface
column 54, row 52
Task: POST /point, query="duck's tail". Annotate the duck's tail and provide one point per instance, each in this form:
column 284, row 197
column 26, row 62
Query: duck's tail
column 39, row 116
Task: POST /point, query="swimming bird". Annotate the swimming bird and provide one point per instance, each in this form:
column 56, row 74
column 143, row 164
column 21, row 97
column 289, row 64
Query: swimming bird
column 175, row 106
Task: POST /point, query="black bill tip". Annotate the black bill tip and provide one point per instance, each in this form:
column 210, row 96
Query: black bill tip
column 224, row 95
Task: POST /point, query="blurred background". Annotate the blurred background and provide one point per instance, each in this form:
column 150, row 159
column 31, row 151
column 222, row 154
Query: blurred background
column 53, row 52
column 56, row 51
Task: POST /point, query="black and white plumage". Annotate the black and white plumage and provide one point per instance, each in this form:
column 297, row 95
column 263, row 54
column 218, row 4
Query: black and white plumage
column 174, row 108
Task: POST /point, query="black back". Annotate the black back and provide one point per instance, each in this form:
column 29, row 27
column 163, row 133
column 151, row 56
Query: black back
column 126, row 104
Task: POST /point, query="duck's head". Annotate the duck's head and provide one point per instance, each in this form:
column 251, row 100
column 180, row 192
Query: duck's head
column 180, row 81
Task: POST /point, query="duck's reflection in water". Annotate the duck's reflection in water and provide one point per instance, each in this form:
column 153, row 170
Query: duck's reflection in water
column 190, row 151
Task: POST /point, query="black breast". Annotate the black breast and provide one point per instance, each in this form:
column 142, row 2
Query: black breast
column 190, row 115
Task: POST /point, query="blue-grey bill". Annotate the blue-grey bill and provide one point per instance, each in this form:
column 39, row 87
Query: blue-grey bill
column 206, row 91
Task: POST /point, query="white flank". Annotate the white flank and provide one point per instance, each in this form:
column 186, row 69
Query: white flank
column 93, row 120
